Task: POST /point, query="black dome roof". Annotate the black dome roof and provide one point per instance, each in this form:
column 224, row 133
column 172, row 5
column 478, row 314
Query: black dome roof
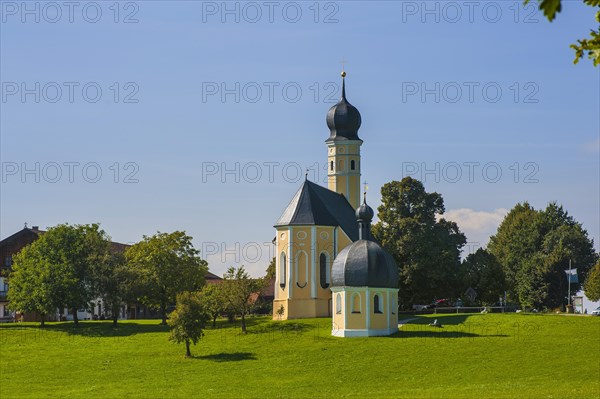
column 364, row 264
column 364, row 212
column 343, row 119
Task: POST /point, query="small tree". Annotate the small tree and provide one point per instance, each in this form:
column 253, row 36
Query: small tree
column 214, row 301
column 188, row 320
column 280, row 312
column 270, row 272
column 238, row 288
column 31, row 285
column 592, row 283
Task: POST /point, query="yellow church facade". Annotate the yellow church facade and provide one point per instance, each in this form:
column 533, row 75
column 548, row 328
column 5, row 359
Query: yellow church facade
column 327, row 264
column 303, row 270
column 364, row 311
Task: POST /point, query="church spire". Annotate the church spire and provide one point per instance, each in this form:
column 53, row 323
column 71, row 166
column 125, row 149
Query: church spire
column 343, row 148
column 343, row 119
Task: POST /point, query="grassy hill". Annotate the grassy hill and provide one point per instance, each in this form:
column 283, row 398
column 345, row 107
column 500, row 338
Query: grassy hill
column 471, row 356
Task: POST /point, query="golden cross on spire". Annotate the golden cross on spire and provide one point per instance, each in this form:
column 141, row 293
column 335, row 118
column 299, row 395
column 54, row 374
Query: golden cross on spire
column 343, row 61
column 366, row 185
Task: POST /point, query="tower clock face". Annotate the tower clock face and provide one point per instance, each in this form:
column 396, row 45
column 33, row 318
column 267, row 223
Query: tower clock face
column 342, row 150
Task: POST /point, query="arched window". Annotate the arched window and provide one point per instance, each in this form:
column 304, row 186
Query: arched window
column 301, row 267
column 282, row 270
column 377, row 304
column 355, row 303
column 331, row 166
column 352, row 165
column 338, row 304
column 324, row 270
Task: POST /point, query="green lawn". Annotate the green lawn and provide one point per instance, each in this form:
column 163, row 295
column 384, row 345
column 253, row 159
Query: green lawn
column 472, row 356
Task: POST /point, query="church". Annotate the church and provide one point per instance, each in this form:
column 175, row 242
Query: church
column 326, row 258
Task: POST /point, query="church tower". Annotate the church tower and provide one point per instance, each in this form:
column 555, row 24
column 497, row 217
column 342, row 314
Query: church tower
column 343, row 149
column 318, row 223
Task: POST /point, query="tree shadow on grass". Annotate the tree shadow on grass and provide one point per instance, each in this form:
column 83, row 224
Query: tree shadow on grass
column 442, row 334
column 453, row 326
column 285, row 327
column 96, row 329
column 228, row 357
column 445, row 319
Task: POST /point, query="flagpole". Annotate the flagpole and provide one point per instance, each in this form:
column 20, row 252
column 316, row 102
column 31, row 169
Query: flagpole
column 569, row 282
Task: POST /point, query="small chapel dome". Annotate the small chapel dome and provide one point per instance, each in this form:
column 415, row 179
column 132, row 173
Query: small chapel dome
column 343, row 119
column 364, row 264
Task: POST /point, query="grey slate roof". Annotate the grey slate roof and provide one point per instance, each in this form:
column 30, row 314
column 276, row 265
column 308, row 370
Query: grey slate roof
column 364, row 264
column 319, row 206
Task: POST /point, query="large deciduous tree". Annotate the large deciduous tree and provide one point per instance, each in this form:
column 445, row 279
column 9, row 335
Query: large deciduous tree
column 239, row 289
column 188, row 320
column 482, row 272
column 534, row 248
column 591, row 45
column 426, row 247
column 56, row 270
column 165, row 265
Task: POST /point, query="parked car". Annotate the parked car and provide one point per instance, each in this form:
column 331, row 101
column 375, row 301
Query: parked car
column 440, row 303
column 596, row 312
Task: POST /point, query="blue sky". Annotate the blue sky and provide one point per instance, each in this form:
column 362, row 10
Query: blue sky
column 483, row 95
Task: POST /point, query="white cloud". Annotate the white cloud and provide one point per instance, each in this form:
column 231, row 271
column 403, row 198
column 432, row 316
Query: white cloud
column 478, row 226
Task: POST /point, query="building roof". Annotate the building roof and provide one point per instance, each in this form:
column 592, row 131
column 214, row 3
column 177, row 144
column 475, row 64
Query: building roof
column 32, row 232
column 316, row 205
column 364, row 264
column 269, row 289
column 212, row 278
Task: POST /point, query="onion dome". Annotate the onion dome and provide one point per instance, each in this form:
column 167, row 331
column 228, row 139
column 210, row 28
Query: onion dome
column 343, row 119
column 365, row 213
column 364, row 264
